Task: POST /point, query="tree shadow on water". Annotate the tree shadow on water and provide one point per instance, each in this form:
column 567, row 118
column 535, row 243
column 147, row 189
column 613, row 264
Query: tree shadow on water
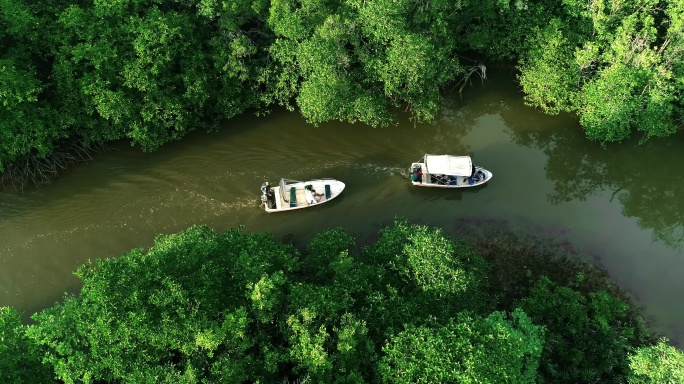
column 647, row 179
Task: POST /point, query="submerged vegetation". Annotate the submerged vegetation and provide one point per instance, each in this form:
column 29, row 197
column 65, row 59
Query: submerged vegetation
column 152, row 71
column 412, row 306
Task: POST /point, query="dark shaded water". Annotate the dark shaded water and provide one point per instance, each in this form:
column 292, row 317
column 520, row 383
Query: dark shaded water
column 622, row 206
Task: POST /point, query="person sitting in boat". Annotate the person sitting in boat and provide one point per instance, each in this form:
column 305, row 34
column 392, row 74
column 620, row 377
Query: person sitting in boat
column 417, row 176
column 317, row 196
column 311, row 196
column 439, row 179
column 478, row 177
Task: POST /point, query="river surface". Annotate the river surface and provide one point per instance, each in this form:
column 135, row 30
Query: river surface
column 623, row 205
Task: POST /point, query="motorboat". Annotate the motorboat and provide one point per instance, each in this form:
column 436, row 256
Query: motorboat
column 289, row 194
column 447, row 171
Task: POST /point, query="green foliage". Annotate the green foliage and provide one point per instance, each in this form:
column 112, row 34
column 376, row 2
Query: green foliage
column 329, row 349
column 18, row 20
column 548, row 82
column 324, row 250
column 353, row 61
column 612, row 63
column 588, row 338
column 659, row 363
column 328, row 342
column 635, row 89
column 411, row 50
column 28, row 124
column 20, row 360
column 499, row 30
column 17, row 84
column 174, row 313
column 609, row 104
column 416, row 274
column 234, row 307
column 144, row 81
column 151, row 72
column 139, row 70
column 471, row 349
column 25, row 122
column 426, row 259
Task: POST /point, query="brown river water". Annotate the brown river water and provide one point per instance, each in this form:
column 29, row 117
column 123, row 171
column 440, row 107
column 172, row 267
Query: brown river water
column 623, row 205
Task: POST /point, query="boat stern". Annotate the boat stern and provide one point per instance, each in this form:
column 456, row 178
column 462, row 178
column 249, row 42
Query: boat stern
column 416, row 173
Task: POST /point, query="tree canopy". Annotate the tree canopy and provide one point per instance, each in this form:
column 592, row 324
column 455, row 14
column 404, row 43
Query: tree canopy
column 616, row 64
column 152, row 71
column 413, row 306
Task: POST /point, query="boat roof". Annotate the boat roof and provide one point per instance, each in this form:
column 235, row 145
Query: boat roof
column 449, row 165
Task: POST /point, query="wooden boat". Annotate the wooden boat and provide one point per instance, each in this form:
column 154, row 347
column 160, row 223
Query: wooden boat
column 289, row 194
column 445, row 171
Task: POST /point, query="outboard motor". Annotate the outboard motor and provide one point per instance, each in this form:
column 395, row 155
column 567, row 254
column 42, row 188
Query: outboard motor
column 264, row 191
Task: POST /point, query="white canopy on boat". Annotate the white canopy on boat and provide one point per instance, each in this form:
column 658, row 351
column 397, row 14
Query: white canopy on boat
column 449, row 165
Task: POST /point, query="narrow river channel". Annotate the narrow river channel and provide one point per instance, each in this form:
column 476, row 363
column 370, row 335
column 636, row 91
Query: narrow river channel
column 623, row 206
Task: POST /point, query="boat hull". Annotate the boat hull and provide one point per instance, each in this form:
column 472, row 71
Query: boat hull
column 461, row 182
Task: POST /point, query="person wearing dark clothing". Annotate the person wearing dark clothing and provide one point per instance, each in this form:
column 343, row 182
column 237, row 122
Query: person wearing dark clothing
column 270, row 197
column 417, row 176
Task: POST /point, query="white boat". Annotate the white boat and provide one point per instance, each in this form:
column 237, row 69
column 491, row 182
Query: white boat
column 289, row 194
column 445, row 171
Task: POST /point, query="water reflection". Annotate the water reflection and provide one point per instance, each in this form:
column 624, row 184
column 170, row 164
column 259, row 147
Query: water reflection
column 432, row 194
column 647, row 179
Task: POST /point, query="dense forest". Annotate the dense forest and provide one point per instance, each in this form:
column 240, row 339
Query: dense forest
column 411, row 305
column 75, row 75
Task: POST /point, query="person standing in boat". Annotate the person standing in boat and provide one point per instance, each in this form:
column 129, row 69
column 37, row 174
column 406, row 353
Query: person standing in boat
column 270, row 196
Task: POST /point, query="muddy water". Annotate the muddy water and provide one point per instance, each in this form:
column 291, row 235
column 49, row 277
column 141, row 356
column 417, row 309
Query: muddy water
column 622, row 205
